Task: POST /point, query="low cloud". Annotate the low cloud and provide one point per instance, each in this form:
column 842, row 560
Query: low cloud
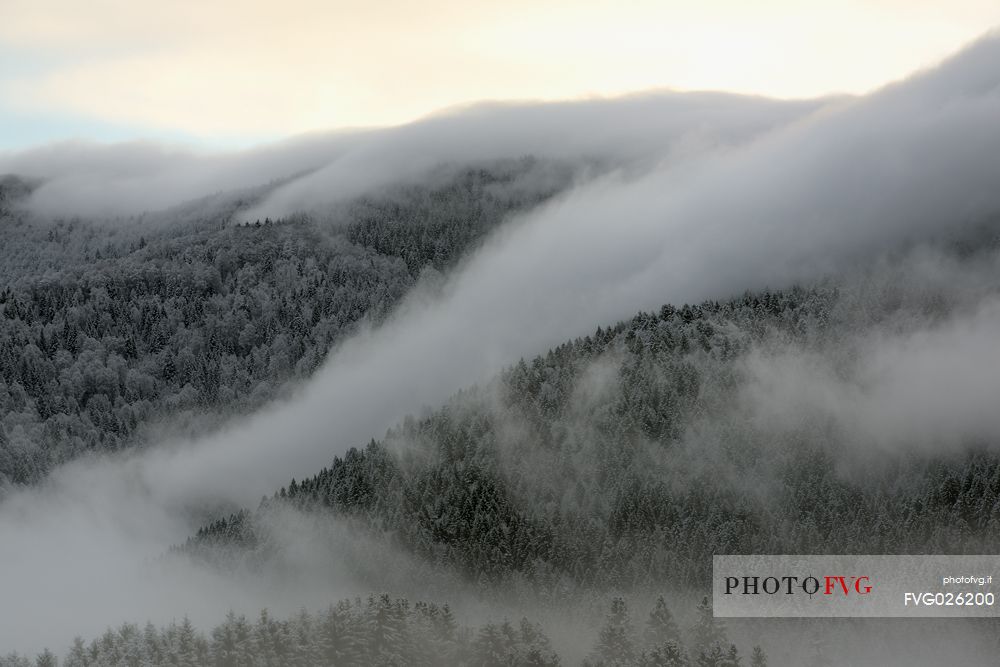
column 914, row 163
column 124, row 179
column 635, row 132
column 784, row 202
column 932, row 390
column 87, row 180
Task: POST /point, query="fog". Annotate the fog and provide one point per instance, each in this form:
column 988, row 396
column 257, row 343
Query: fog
column 92, row 180
column 83, row 179
column 634, row 132
column 781, row 197
column 930, row 390
column 818, row 198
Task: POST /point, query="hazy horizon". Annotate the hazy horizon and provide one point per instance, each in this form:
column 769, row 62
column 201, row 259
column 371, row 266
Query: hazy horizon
column 224, row 75
column 544, row 336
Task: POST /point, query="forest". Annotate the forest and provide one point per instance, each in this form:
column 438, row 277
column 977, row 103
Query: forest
column 519, row 486
column 577, row 478
column 613, row 462
column 381, row 630
column 114, row 330
column 502, row 410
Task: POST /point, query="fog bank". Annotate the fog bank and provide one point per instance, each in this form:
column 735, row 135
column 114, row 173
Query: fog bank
column 94, row 180
column 916, row 162
column 913, row 163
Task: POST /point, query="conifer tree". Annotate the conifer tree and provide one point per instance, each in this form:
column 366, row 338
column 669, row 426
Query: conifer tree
column 660, row 626
column 666, row 654
column 707, row 633
column 616, row 642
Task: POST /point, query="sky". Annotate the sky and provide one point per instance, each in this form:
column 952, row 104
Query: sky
column 757, row 194
column 767, row 197
column 226, row 73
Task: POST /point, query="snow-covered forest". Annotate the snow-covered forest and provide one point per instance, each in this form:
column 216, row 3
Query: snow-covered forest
column 109, row 328
column 493, row 388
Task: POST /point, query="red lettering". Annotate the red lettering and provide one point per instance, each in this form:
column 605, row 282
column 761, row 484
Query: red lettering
column 861, row 585
column 831, row 585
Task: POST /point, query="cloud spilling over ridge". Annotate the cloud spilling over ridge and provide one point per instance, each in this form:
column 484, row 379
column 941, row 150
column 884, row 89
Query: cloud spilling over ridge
column 915, row 162
column 86, row 550
column 122, row 179
column 932, row 390
column 635, row 132
column 95, row 180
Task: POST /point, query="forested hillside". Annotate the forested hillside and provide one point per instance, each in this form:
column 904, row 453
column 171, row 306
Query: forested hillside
column 110, row 328
column 617, row 463
column 382, row 630
column 625, row 458
column 287, row 379
column 613, row 466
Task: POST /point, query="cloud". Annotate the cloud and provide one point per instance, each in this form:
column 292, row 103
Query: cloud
column 634, row 131
column 931, row 391
column 94, row 180
column 917, row 162
column 86, row 550
column 913, row 163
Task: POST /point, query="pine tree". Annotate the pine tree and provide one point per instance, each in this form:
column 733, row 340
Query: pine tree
column 223, row 646
column 534, row 648
column 707, row 631
column 732, row 658
column 616, row 644
column 711, row 657
column 387, row 630
column 488, row 648
column 660, row 626
column 186, row 647
column 665, row 654
column 77, row 656
column 46, row 659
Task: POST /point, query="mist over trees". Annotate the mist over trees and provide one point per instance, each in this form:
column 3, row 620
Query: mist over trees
column 160, row 370
column 107, row 331
column 382, row 630
column 619, row 459
column 616, row 461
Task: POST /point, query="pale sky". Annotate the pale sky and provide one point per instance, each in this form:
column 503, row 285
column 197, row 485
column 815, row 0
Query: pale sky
column 235, row 72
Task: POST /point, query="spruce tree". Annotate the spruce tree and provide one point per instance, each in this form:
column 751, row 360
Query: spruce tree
column 616, row 644
column 708, row 633
column 660, row 626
